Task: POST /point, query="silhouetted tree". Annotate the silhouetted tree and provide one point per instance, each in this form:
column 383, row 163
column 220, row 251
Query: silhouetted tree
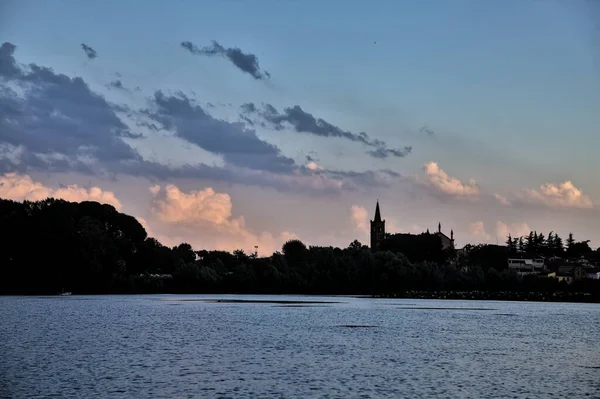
column 521, row 245
column 294, row 251
column 510, row 244
column 570, row 242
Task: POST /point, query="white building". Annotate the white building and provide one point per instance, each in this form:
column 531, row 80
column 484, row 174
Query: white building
column 527, row 266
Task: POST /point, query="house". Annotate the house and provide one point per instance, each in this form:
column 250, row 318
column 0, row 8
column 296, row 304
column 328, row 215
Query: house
column 575, row 271
column 593, row 274
column 564, row 277
column 527, row 265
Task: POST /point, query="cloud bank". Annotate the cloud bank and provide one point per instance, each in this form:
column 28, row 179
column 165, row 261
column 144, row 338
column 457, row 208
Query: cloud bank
column 22, row 187
column 56, row 123
column 205, row 217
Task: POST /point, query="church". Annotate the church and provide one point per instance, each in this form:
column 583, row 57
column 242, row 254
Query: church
column 378, row 234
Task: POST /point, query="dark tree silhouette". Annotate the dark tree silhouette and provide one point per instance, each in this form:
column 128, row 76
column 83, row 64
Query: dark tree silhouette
column 90, row 248
column 294, row 251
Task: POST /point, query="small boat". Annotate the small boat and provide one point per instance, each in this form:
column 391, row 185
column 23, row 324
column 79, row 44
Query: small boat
column 63, row 293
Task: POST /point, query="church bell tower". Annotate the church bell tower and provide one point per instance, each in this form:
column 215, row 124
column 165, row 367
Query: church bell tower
column 377, row 229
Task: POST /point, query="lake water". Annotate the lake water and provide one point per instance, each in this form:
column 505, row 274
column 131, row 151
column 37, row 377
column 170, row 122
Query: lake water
column 167, row 346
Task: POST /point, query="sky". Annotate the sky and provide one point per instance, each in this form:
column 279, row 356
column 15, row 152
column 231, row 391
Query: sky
column 231, row 124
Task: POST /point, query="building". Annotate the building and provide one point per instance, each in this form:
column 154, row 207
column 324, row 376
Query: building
column 564, row 277
column 377, row 229
column 447, row 242
column 378, row 233
column 593, row 274
column 527, row 266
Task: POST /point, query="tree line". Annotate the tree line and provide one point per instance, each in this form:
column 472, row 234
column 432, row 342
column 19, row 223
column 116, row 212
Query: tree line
column 91, row 248
column 537, row 244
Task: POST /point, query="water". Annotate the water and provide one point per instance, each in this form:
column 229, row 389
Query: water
column 177, row 347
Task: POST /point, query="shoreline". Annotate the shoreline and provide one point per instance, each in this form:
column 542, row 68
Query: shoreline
column 508, row 296
column 511, row 296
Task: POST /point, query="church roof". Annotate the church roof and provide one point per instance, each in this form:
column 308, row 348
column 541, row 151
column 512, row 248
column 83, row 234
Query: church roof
column 439, row 233
column 377, row 213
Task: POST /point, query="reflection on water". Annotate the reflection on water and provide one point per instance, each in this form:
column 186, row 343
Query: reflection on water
column 261, row 346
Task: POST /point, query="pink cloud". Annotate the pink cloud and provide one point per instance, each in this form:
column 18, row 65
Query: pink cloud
column 438, row 179
column 515, row 230
column 204, row 219
column 312, row 165
column 22, row 187
column 501, row 199
column 564, row 195
column 360, row 218
column 478, row 232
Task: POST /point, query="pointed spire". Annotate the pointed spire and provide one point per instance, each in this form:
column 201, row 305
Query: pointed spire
column 439, row 227
column 452, row 234
column 428, row 230
column 377, row 213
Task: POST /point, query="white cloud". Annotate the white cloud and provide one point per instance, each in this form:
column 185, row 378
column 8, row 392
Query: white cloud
column 438, row 179
column 204, row 219
column 22, row 187
column 558, row 195
column 515, row 230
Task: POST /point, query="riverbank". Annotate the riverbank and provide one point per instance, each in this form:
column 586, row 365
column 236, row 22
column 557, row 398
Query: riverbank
column 559, row 296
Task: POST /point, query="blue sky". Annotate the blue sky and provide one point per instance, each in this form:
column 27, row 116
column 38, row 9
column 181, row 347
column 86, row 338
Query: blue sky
column 510, row 88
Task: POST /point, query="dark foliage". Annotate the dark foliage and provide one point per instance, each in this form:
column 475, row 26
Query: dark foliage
column 86, row 248
column 417, row 248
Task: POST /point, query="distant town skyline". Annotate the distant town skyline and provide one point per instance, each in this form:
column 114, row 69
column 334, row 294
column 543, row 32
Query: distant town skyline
column 233, row 125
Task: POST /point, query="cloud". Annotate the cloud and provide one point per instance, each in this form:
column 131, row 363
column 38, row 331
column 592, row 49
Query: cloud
column 22, row 187
column 440, row 181
column 304, row 122
column 237, row 144
column 364, row 180
column 89, row 52
column 154, row 189
column 564, row 195
column 360, row 218
column 382, row 152
column 11, row 154
column 117, row 84
column 55, row 123
column 477, row 231
column 502, row 200
column 427, row 131
column 515, row 230
column 194, row 208
column 312, row 165
column 56, row 114
column 204, row 218
column 246, row 62
column 8, row 67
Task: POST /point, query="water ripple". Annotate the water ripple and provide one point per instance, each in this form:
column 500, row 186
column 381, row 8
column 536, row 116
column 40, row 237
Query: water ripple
column 135, row 347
